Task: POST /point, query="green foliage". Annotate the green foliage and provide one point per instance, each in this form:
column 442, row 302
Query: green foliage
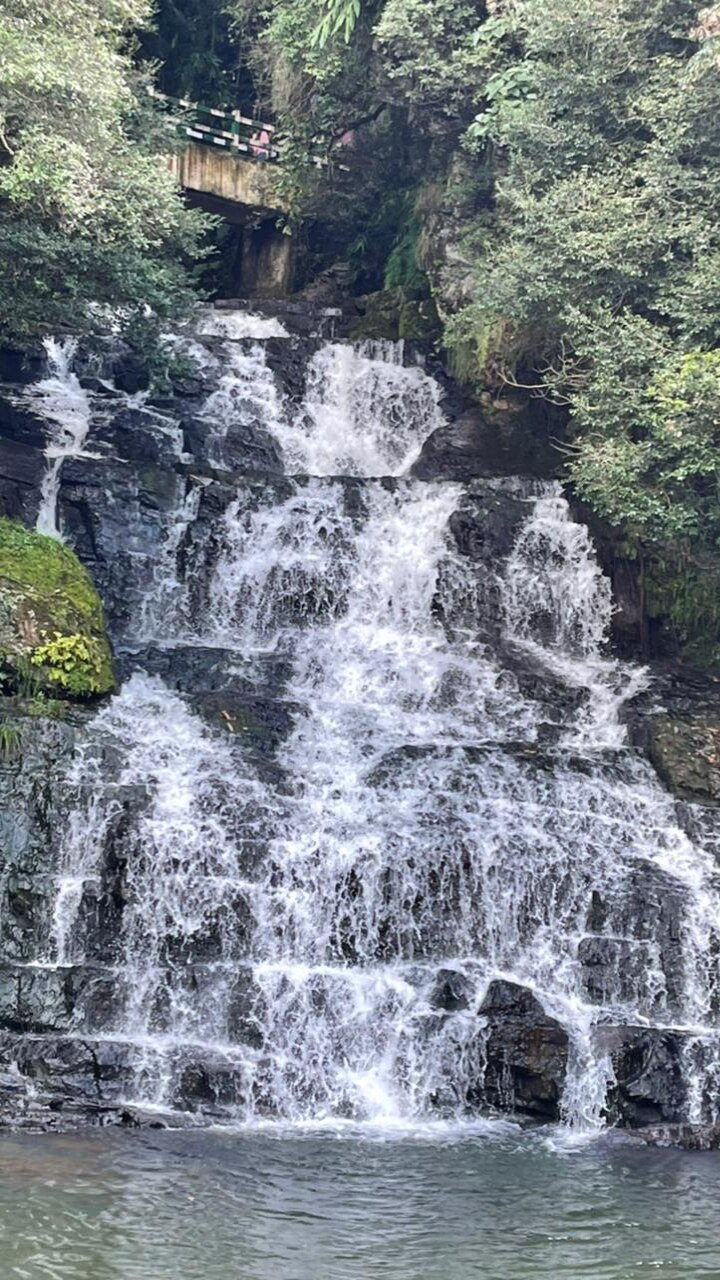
column 52, row 628
column 597, row 252
column 656, row 468
column 339, row 16
column 402, row 268
column 683, row 594
column 10, row 741
column 432, row 53
column 88, row 212
column 197, row 58
column 71, row 663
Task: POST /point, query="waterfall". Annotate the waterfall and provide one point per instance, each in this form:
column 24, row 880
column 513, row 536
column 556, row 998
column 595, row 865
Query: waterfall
column 365, row 414
column 66, row 405
column 284, row 932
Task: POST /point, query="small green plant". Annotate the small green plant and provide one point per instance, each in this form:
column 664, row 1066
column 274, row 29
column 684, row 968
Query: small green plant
column 25, row 680
column 69, row 662
column 339, row 15
column 10, row 740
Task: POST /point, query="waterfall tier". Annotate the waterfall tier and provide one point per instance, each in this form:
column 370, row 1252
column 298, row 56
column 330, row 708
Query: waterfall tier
column 361, row 838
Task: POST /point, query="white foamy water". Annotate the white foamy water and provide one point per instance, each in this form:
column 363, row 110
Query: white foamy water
column 558, row 606
column 65, row 404
column 365, row 414
column 292, row 918
column 238, row 324
column 247, row 394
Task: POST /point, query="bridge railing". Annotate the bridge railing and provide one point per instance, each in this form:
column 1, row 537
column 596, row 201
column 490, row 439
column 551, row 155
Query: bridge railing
column 214, row 127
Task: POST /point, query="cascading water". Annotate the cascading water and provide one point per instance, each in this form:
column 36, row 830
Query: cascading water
column 66, row 405
column 285, row 931
column 362, row 413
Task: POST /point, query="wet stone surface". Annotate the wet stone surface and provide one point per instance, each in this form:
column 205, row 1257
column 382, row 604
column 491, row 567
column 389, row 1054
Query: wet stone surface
column 366, row 769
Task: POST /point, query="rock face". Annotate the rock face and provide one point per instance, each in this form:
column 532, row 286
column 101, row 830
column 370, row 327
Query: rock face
column 169, row 477
column 677, row 723
column 525, row 1053
column 509, row 438
column 526, row 1063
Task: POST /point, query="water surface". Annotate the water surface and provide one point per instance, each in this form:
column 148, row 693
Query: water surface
column 501, row 1205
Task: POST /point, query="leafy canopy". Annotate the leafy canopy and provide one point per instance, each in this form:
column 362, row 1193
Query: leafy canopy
column 89, row 215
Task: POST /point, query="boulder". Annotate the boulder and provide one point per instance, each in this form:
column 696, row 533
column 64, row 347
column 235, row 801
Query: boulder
column 452, row 991
column 490, row 441
column 52, row 627
column 650, row 1086
column 525, row 1052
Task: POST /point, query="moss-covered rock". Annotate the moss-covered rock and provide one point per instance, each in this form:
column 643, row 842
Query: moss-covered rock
column 392, row 314
column 52, row 626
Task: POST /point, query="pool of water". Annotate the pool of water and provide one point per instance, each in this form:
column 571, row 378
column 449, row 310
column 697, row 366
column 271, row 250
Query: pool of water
column 500, row 1204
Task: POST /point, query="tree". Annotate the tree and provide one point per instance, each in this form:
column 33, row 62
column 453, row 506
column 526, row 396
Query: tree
column 595, row 259
column 90, row 218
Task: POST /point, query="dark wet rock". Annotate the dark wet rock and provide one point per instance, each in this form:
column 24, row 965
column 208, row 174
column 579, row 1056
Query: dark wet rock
column 525, row 1052
column 245, row 703
column 116, row 514
column 20, row 422
column 60, row 1068
column 676, row 722
column 141, row 436
column 211, row 1084
column 24, row 435
column 650, row 1087
column 30, row 774
column 39, row 999
column 22, row 364
column 685, row 751
column 453, row 991
column 245, row 448
column 645, row 911
column 484, row 442
column 689, row 1137
column 128, row 369
column 487, row 521
column 612, row 968
column 289, row 360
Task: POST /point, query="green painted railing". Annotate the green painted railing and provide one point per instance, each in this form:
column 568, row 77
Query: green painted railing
column 211, row 126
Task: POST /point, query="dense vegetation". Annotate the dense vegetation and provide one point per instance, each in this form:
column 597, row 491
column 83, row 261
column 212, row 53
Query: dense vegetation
column 89, row 219
column 564, row 167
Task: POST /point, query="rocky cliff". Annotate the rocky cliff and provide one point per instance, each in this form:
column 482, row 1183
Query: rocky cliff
column 149, row 501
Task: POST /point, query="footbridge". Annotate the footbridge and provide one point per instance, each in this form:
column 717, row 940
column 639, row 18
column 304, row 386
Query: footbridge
column 226, row 167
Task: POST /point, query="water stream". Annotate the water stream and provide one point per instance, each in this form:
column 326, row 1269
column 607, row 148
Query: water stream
column 66, row 405
column 285, row 930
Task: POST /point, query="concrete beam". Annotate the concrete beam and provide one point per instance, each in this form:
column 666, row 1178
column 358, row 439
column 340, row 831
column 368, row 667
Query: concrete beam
column 223, row 177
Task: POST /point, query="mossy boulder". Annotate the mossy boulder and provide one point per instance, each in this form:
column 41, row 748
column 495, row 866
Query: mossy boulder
column 52, row 626
column 392, row 314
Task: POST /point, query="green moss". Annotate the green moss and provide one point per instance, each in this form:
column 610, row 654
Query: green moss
column 419, row 320
column 478, row 346
column 685, row 600
column 52, row 626
column 381, row 318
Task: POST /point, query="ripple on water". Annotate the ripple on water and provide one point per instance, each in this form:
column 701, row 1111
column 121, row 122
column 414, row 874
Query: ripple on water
column 265, row 1205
